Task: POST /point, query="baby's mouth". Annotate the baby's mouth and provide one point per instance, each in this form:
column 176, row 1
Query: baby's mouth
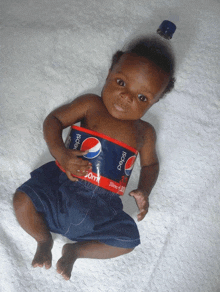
column 119, row 108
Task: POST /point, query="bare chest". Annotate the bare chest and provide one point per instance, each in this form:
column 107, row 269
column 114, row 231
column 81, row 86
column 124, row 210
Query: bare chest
column 125, row 131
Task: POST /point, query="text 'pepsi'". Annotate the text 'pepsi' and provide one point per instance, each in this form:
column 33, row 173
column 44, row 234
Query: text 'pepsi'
column 112, row 160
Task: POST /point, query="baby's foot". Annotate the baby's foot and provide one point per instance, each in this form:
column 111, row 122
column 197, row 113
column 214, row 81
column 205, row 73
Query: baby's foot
column 65, row 263
column 43, row 255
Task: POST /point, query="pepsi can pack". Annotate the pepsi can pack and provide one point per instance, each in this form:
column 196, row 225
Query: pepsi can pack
column 112, row 160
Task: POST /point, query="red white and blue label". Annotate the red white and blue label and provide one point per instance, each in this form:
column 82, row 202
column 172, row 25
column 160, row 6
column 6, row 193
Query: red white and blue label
column 93, row 145
column 112, row 160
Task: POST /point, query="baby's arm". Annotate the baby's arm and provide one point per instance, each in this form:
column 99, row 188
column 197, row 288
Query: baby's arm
column 149, row 172
column 54, row 124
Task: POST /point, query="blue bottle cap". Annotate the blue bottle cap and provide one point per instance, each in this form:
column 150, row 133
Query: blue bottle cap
column 166, row 29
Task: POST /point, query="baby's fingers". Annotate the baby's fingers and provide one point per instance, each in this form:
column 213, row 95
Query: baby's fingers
column 70, row 177
column 81, row 162
column 80, row 153
column 141, row 215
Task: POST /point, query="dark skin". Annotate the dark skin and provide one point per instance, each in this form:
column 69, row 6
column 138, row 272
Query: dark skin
column 132, row 87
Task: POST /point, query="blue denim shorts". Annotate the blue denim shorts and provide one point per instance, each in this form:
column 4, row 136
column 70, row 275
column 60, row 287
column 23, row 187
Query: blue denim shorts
column 80, row 210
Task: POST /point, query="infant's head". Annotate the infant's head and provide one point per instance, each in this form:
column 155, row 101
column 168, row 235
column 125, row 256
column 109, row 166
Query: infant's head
column 153, row 49
column 138, row 78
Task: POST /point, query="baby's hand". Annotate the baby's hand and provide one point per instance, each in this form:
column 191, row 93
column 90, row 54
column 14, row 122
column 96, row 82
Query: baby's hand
column 72, row 164
column 141, row 201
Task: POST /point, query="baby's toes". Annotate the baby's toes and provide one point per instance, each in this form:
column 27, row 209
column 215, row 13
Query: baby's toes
column 47, row 264
column 64, row 269
column 37, row 263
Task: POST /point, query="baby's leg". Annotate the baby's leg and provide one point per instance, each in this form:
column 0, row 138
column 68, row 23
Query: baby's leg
column 33, row 223
column 90, row 249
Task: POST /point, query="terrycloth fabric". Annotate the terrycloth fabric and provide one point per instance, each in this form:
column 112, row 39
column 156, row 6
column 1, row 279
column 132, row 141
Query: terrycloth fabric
column 53, row 51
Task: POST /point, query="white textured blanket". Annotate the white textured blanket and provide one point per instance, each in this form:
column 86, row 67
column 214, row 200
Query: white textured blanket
column 53, row 51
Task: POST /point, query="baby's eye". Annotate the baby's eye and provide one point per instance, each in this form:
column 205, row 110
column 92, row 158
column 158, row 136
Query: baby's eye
column 120, row 82
column 142, row 97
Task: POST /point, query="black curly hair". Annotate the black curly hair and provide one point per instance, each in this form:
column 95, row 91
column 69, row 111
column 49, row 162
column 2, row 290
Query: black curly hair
column 153, row 49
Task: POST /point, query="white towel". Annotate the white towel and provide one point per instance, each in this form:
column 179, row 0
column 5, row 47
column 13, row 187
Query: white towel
column 53, row 51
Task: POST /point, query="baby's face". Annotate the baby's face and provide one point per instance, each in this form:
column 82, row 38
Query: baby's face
column 132, row 87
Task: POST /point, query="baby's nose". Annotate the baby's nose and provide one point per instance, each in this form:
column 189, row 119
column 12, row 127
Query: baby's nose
column 127, row 96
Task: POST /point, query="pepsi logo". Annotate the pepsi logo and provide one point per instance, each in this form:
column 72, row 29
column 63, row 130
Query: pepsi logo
column 129, row 165
column 93, row 145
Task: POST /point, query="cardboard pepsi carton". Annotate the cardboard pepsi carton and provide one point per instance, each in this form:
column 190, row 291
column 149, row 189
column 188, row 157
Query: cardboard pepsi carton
column 112, row 160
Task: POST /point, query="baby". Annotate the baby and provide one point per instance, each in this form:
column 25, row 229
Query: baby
column 60, row 199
